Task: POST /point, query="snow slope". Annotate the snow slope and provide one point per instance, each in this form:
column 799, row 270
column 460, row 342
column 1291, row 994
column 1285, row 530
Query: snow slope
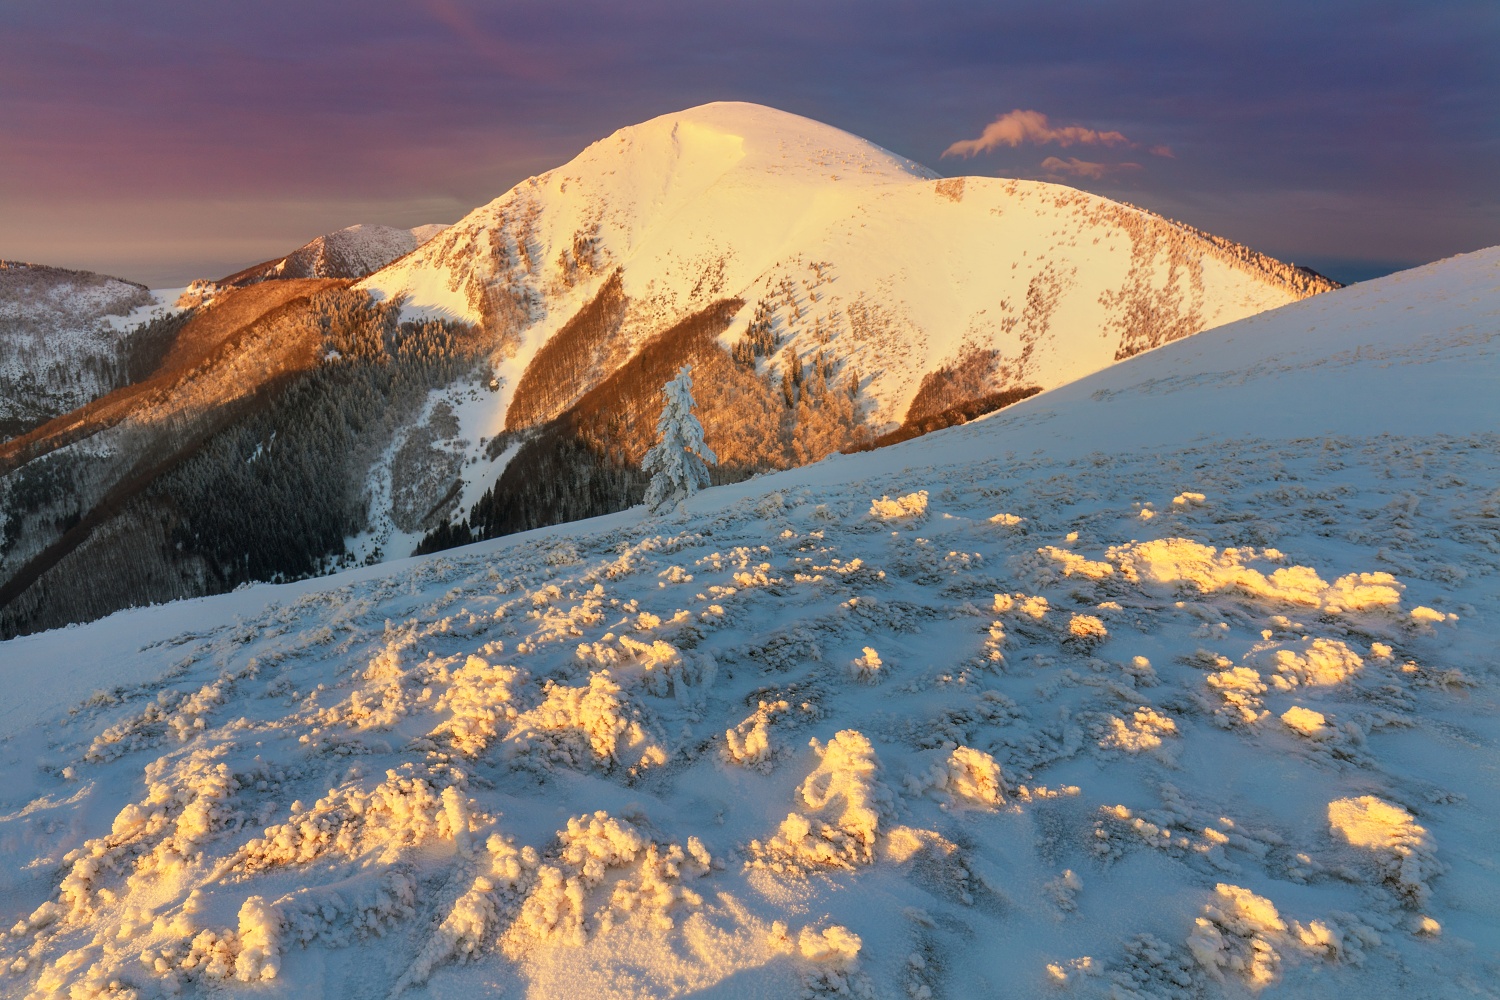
column 854, row 251
column 1177, row 681
column 351, row 252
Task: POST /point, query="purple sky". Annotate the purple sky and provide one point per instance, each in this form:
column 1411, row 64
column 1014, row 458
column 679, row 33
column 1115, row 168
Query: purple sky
column 163, row 140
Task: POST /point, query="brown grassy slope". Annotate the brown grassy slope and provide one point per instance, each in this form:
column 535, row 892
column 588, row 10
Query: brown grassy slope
column 206, row 339
column 618, row 416
column 569, row 363
column 585, row 462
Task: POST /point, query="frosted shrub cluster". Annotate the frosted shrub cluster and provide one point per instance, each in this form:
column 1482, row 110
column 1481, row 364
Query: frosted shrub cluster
column 480, row 699
column 749, row 743
column 1241, row 689
column 1145, row 730
column 1401, row 849
column 407, row 809
column 1085, row 633
column 867, row 668
column 667, row 670
column 1178, row 562
column 558, row 907
column 846, row 789
column 1235, row 935
column 592, row 722
column 364, row 906
column 1306, row 722
column 912, row 505
column 1318, row 663
column 187, row 802
column 1056, row 564
column 1243, row 935
column 967, row 777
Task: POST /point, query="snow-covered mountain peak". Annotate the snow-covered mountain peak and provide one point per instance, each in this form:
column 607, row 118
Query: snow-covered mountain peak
column 687, row 148
column 832, row 248
column 351, row 252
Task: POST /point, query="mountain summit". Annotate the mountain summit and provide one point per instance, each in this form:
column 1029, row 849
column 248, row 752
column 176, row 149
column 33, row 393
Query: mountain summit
column 844, row 247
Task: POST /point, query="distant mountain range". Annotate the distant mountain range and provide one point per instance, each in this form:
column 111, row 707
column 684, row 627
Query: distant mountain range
column 352, row 252
column 380, row 389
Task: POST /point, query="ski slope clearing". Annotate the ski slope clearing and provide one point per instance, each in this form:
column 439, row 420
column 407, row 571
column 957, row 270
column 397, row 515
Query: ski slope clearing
column 1175, row 682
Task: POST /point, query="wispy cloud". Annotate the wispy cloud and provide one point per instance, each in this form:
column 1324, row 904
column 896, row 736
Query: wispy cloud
column 514, row 59
column 1019, row 127
column 1075, row 167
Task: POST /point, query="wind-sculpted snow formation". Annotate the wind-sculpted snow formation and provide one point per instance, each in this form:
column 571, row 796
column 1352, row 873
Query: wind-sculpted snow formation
column 1207, row 711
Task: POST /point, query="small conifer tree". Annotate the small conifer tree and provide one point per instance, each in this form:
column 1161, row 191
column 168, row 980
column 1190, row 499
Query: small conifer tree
column 677, row 460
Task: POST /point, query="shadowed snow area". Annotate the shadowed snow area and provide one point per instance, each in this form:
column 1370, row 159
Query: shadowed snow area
column 1177, row 681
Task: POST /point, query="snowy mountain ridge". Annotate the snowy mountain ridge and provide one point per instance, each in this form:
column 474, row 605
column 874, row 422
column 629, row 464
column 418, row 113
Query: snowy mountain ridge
column 1211, row 628
column 351, row 252
column 861, row 252
column 910, row 292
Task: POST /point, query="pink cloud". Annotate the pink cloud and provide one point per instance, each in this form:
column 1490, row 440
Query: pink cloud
column 1019, row 127
column 1083, row 168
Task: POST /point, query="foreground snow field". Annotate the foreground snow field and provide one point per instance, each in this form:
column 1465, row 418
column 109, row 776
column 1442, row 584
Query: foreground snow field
column 1177, row 681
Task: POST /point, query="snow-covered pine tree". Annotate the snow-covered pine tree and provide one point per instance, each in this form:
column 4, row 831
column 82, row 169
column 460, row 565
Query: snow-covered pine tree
column 677, row 460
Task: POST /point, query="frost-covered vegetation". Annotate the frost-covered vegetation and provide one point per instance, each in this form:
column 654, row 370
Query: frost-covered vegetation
column 678, row 462
column 512, row 763
column 932, row 721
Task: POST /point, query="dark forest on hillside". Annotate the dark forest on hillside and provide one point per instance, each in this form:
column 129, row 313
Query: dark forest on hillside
column 270, row 495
